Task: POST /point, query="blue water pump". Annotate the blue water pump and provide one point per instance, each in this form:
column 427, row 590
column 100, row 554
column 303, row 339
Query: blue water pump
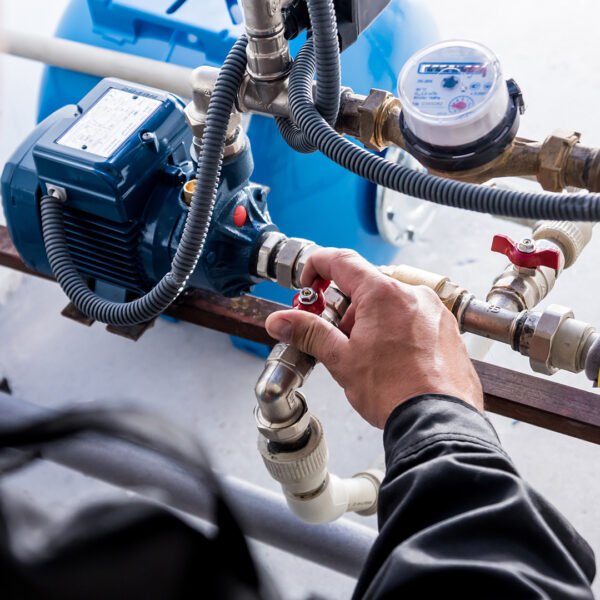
column 311, row 197
column 121, row 158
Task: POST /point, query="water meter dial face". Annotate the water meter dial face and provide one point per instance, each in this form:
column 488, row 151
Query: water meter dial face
column 453, row 93
column 460, row 104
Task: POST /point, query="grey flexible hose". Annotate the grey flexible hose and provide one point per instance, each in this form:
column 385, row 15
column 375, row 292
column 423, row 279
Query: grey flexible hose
column 545, row 206
column 327, row 51
column 197, row 224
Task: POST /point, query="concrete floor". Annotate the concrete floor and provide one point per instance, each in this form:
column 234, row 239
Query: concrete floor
column 195, row 377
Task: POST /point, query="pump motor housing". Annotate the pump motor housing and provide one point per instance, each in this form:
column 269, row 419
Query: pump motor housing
column 121, row 157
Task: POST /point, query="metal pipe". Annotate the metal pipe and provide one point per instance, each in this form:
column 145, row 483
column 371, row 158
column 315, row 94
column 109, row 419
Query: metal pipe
column 268, row 51
column 342, row 546
column 552, row 339
column 375, row 121
column 100, row 62
column 489, row 321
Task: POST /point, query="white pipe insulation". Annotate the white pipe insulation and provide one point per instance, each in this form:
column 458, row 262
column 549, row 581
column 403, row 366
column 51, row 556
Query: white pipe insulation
column 99, row 62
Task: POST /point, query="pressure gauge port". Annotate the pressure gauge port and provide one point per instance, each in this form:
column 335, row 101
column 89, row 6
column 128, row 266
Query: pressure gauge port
column 458, row 112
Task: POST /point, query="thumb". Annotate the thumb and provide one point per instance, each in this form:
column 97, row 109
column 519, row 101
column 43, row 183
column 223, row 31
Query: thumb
column 308, row 333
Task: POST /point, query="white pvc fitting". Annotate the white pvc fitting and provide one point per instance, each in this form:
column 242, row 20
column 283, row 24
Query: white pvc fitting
column 337, row 497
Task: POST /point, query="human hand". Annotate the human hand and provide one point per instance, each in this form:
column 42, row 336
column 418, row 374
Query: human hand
column 395, row 342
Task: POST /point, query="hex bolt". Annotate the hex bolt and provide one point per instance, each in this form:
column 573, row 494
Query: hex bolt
column 308, row 296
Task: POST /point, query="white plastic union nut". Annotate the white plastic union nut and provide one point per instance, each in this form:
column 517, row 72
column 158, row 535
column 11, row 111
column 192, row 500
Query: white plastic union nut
column 302, row 471
column 572, row 237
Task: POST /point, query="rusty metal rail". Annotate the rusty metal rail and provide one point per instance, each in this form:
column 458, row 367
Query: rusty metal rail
column 534, row 400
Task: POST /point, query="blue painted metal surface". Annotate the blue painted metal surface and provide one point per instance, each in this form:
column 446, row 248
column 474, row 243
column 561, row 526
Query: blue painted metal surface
column 311, row 197
column 124, row 214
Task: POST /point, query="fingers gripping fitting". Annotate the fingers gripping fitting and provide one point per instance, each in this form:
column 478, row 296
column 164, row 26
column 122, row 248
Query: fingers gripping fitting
column 309, row 333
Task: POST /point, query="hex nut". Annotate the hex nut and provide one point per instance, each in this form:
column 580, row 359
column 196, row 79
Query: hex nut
column 540, row 347
column 286, row 260
column 306, row 253
column 372, row 114
column 195, row 117
column 553, row 158
column 268, row 245
column 196, row 120
column 283, row 433
column 337, row 300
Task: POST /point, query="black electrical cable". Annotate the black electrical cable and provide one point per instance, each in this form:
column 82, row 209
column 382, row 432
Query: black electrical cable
column 544, row 206
column 327, row 51
column 197, row 224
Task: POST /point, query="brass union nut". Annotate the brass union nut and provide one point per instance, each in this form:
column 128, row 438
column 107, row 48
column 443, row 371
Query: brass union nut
column 373, row 113
column 554, row 154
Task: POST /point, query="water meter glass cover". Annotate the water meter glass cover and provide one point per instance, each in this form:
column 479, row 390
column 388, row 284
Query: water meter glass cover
column 453, row 93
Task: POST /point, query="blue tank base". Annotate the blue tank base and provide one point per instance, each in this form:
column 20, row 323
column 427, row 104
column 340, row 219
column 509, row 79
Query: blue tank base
column 260, row 350
column 169, row 319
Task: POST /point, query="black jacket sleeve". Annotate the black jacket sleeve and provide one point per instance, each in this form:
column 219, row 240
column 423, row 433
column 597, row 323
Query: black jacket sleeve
column 456, row 519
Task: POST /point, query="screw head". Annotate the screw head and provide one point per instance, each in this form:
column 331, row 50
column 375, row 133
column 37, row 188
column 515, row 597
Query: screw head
column 147, row 136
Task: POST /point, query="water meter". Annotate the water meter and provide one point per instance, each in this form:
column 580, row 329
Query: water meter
column 458, row 112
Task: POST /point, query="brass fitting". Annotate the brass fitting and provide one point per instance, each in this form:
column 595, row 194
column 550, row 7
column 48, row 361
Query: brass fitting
column 268, row 50
column 373, row 113
column 520, row 288
column 188, row 191
column 554, row 155
column 450, row 293
column 559, row 341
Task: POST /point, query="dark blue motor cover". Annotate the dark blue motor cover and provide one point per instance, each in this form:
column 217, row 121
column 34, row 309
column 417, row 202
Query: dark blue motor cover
column 124, row 212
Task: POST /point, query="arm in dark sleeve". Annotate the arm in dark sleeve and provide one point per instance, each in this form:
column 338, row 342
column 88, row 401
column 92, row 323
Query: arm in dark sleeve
column 456, row 519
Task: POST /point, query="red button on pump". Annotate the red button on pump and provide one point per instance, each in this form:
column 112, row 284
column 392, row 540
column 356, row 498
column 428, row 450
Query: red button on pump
column 312, row 299
column 240, row 215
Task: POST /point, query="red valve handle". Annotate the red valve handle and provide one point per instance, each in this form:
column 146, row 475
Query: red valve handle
column 312, row 299
column 530, row 260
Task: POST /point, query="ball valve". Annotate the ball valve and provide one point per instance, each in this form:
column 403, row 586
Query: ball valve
column 526, row 254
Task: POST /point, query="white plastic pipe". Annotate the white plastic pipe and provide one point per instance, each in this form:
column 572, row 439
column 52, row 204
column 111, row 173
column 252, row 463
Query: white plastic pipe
column 313, row 493
column 337, row 497
column 99, row 62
